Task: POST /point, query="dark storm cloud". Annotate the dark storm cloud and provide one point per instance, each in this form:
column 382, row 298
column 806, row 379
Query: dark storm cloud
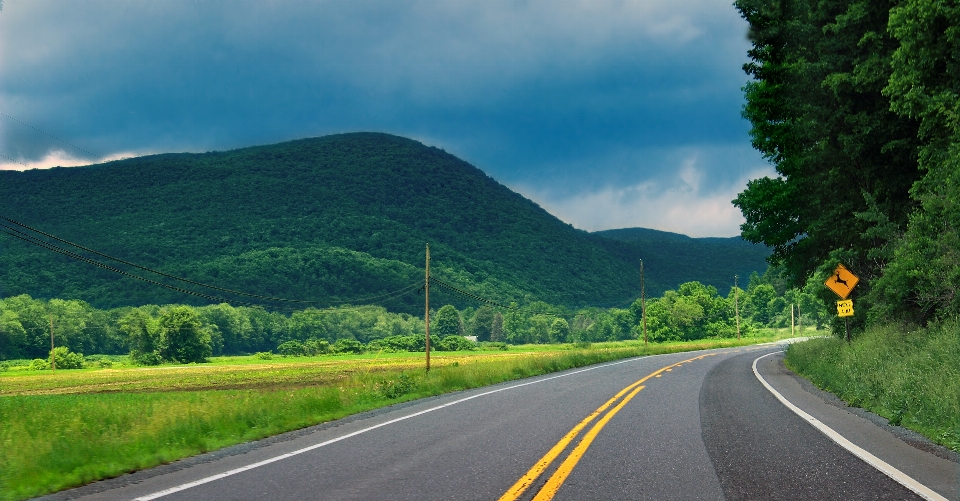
column 559, row 99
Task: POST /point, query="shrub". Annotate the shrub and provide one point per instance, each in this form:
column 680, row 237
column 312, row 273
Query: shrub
column 148, row 358
column 455, row 343
column 412, row 343
column 291, row 349
column 263, row 355
column 395, row 388
column 344, row 345
column 65, row 359
column 315, row 346
column 39, row 364
column 105, row 363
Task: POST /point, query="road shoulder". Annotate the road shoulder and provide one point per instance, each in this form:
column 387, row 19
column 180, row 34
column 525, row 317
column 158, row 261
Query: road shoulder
column 934, row 466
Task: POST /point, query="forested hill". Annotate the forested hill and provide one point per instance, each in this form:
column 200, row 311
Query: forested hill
column 334, row 218
column 711, row 261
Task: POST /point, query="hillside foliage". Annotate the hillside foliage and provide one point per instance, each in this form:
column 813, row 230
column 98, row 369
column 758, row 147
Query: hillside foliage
column 334, row 219
column 855, row 103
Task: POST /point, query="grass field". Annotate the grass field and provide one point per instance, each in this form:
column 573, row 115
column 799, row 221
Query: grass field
column 911, row 377
column 64, row 429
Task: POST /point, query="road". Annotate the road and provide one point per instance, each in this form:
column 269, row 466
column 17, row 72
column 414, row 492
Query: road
column 684, row 426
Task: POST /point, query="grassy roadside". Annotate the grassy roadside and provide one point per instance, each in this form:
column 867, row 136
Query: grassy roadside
column 911, row 378
column 74, row 427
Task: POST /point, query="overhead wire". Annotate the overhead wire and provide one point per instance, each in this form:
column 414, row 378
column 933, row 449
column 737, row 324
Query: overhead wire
column 21, row 122
column 200, row 284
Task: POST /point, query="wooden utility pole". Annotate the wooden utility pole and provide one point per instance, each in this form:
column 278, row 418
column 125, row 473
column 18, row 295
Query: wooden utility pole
column 426, row 315
column 792, row 331
column 53, row 361
column 736, row 302
column 799, row 320
column 643, row 305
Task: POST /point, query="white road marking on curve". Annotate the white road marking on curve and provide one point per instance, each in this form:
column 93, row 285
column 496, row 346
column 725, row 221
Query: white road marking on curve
column 897, row 475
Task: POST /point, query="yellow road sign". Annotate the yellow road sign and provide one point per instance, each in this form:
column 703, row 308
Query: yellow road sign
column 842, row 281
column 845, row 308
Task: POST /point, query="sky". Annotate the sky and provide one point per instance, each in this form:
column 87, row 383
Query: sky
column 607, row 113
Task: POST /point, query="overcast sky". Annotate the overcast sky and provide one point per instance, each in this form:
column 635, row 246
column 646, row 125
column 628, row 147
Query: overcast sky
column 609, row 114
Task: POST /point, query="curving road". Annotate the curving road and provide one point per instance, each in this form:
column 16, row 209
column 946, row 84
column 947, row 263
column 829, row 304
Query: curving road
column 684, row 426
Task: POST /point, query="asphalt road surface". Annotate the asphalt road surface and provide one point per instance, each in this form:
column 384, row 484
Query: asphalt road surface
column 685, row 426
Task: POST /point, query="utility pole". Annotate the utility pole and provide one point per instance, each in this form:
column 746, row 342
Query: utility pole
column 799, row 320
column 426, row 315
column 736, row 302
column 643, row 305
column 53, row 361
column 792, row 331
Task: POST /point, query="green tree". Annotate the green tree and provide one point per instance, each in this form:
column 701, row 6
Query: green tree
column 182, row 336
column 515, row 327
column 12, row 335
column 496, row 328
column 539, row 330
column 559, row 331
column 758, row 303
column 142, row 335
column 482, row 323
column 923, row 279
column 818, row 114
column 447, row 322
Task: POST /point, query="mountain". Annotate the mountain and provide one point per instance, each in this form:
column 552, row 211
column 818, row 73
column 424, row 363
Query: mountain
column 329, row 219
column 710, row 260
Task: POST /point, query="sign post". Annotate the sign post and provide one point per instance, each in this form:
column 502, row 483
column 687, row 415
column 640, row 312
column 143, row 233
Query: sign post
column 842, row 283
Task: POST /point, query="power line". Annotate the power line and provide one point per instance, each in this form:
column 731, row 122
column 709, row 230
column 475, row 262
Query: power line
column 192, row 282
column 15, row 161
column 96, row 157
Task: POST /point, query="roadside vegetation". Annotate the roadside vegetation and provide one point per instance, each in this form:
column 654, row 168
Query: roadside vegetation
column 909, row 376
column 67, row 428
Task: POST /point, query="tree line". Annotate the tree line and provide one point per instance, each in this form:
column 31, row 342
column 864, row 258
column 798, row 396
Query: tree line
column 855, row 103
column 153, row 334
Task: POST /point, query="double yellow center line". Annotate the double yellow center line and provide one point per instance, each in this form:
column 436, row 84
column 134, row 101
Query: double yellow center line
column 553, row 484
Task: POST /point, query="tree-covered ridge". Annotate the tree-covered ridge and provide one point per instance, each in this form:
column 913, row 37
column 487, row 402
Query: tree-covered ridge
column 855, row 103
column 671, row 258
column 331, row 219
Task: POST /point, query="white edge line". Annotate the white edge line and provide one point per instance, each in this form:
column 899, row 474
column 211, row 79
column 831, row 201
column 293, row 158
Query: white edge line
column 897, row 475
column 242, row 469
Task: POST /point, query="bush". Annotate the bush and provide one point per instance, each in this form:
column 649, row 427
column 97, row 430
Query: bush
column 412, row 343
column 105, row 363
column 315, row 347
column 263, row 355
column 395, row 388
column 39, row 364
column 348, row 346
column 455, row 343
column 148, row 358
column 291, row 349
column 65, row 359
